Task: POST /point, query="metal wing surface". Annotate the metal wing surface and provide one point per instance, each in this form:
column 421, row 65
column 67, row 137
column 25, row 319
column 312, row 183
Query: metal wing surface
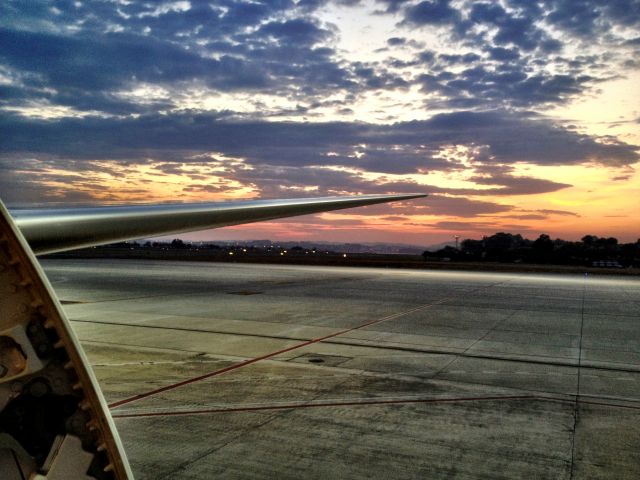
column 56, row 230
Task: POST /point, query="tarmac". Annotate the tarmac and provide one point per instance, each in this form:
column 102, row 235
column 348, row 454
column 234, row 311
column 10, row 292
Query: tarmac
column 219, row 370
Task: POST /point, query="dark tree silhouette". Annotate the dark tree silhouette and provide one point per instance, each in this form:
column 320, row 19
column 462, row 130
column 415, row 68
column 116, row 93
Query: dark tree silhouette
column 506, row 247
column 177, row 243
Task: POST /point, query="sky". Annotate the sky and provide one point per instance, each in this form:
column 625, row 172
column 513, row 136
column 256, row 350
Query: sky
column 519, row 116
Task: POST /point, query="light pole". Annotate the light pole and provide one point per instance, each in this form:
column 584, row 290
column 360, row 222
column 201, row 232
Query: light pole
column 456, row 237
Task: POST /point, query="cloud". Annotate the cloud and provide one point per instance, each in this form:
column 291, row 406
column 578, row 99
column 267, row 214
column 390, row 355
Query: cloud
column 298, row 31
column 511, row 185
column 529, row 216
column 504, row 85
column 516, row 30
column 431, row 12
column 470, row 226
column 523, row 24
column 393, row 6
column 403, row 147
column 503, row 54
column 129, row 87
column 394, row 41
column 85, row 55
column 71, row 70
column 525, row 64
column 558, row 212
column 462, row 207
column 284, row 159
column 592, row 17
column 95, row 54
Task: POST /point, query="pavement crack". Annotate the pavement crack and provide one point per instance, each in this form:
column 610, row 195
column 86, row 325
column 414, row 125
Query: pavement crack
column 576, row 407
column 171, row 473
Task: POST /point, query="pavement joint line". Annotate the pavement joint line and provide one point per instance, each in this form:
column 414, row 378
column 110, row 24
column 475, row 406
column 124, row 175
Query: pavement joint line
column 372, row 402
column 296, row 405
column 142, row 297
column 466, row 351
column 193, row 330
column 571, row 395
column 277, row 337
column 171, row 473
column 538, row 360
column 250, row 361
column 611, row 315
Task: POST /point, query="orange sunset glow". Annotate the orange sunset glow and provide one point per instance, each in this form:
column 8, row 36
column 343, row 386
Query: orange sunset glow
column 513, row 116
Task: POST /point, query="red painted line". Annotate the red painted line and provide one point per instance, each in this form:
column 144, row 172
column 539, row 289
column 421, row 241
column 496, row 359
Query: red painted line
column 269, row 355
column 323, row 405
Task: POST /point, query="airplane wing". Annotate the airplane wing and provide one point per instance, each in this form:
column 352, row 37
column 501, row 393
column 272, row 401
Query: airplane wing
column 54, row 421
column 55, row 230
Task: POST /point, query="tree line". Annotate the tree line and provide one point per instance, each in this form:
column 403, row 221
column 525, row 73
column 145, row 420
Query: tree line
column 591, row 250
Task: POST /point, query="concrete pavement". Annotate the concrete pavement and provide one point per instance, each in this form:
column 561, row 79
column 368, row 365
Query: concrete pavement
column 258, row 371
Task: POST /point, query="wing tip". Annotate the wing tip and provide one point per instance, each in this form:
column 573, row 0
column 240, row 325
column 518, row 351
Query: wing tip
column 406, row 196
